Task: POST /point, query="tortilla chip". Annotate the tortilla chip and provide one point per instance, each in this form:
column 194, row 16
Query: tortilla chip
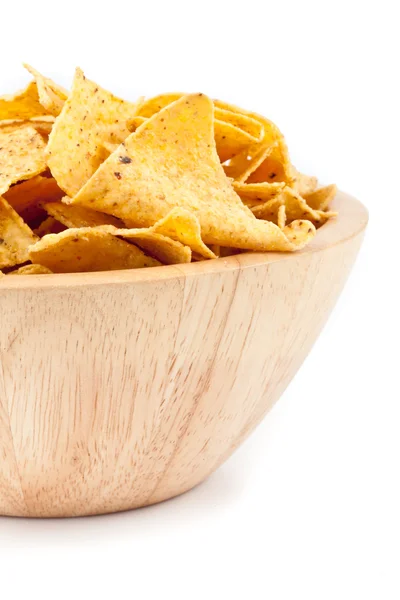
column 303, row 184
column 243, row 122
column 25, row 197
column 183, row 226
column 134, row 123
column 161, row 247
column 23, row 105
column 15, row 236
column 110, row 147
column 87, row 249
column 233, row 133
column 295, row 207
column 49, row 225
column 21, row 156
column 269, row 211
column 281, row 216
column 43, row 125
column 51, row 95
column 78, row 216
column 244, row 164
column 272, row 135
column 32, row 270
column 151, row 106
column 90, row 117
column 321, row 199
column 299, row 232
column 230, row 140
column 171, row 161
column 252, row 194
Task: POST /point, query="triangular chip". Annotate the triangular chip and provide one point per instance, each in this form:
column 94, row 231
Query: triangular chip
column 233, row 133
column 43, row 125
column 51, row 95
column 171, row 161
column 296, row 207
column 247, row 124
column 49, row 225
column 22, row 105
column 161, row 247
column 281, row 216
column 90, row 117
column 242, row 165
column 269, row 211
column 15, row 237
column 303, row 184
column 230, row 140
column 252, row 194
column 32, row 270
column 153, row 105
column 78, row 216
column 272, row 144
column 183, row 226
column 22, row 156
column 321, row 199
column 25, row 197
column 87, row 249
column 135, row 122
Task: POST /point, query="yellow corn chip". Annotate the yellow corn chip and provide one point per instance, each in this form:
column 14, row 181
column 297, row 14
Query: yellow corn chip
column 230, row 140
column 25, row 197
column 161, row 247
column 183, row 226
column 171, row 161
column 303, row 184
column 15, row 236
column 295, row 207
column 270, row 170
column 281, row 216
column 78, row 216
column 49, row 225
column 151, row 106
column 51, row 95
column 32, row 270
column 87, row 249
column 233, row 133
column 269, row 211
column 299, row 232
column 23, row 105
column 134, row 123
column 43, row 125
column 90, row 117
column 321, row 199
column 21, row 156
column 252, row 194
column 247, row 124
column 242, row 165
column 271, row 131
column 110, row 147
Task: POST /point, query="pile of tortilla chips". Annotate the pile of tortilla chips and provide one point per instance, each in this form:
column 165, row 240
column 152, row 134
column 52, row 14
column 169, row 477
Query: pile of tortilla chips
column 91, row 182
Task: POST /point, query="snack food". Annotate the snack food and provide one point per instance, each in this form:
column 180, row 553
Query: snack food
column 89, row 181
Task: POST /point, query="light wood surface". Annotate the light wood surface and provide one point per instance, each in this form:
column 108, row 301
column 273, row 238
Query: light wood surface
column 123, row 389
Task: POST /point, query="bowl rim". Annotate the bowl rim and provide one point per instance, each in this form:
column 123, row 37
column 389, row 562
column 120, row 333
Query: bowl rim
column 350, row 222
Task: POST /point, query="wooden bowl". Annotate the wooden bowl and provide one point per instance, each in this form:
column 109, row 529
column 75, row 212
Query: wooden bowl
column 125, row 388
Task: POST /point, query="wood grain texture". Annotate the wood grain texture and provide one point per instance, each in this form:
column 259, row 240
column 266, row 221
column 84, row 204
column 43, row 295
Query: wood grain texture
column 123, row 389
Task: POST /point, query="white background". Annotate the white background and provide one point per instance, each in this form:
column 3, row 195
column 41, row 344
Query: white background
column 309, row 506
